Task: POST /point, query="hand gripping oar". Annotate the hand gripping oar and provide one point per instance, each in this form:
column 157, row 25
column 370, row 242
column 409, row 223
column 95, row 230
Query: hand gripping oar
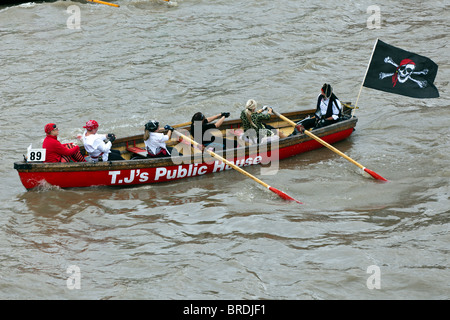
column 104, row 2
column 235, row 167
column 292, row 123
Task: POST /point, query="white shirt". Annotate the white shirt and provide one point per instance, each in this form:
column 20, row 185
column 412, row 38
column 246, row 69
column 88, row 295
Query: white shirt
column 95, row 146
column 156, row 142
column 324, row 107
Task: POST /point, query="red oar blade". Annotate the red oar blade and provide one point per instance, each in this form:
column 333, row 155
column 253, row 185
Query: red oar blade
column 374, row 174
column 283, row 195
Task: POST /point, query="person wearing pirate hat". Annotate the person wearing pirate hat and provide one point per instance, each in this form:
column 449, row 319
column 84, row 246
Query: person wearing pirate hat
column 328, row 111
column 155, row 142
column 56, row 151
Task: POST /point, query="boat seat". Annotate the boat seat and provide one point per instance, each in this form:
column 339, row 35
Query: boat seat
column 138, row 151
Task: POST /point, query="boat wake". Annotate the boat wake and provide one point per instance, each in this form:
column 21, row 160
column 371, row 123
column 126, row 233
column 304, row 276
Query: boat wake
column 44, row 186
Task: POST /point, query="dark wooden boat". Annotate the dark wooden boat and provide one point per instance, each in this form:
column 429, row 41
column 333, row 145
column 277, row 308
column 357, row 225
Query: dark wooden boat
column 191, row 164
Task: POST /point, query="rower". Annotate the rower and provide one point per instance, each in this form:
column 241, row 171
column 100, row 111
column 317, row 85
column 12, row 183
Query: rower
column 254, row 128
column 328, row 111
column 206, row 133
column 155, row 142
column 99, row 145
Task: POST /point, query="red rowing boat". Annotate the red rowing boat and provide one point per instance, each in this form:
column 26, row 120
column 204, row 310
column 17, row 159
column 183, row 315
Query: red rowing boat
column 147, row 171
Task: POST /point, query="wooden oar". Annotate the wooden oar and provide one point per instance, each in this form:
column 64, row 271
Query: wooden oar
column 235, row 167
column 292, row 123
column 182, row 124
column 104, row 2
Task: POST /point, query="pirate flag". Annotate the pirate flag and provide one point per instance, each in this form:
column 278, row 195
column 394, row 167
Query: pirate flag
column 398, row 71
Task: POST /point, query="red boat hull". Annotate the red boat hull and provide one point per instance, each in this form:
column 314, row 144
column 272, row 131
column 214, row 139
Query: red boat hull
column 141, row 175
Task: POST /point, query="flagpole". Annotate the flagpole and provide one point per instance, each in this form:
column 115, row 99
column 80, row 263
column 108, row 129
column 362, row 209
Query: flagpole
column 365, row 75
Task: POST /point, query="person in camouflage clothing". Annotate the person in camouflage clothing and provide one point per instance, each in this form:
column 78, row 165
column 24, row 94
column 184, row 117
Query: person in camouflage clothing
column 253, row 119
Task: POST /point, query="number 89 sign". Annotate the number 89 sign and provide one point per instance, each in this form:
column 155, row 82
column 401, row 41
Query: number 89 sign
column 35, row 154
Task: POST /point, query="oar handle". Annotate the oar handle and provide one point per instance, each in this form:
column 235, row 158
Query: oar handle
column 182, row 124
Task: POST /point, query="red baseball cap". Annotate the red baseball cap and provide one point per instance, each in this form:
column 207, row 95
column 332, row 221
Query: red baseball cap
column 91, row 125
column 49, row 127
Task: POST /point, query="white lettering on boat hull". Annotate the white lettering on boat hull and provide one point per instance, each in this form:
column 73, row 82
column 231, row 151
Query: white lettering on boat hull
column 161, row 174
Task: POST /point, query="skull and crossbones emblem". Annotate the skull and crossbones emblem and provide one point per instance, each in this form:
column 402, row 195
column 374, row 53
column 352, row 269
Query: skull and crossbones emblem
column 403, row 72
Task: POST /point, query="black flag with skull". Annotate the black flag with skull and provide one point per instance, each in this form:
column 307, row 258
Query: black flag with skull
column 398, row 71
